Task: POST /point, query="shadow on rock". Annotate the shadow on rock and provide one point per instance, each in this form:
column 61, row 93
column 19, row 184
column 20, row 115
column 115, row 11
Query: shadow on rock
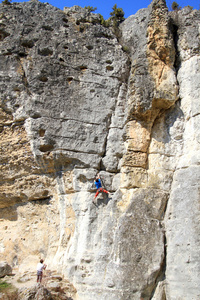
column 103, row 199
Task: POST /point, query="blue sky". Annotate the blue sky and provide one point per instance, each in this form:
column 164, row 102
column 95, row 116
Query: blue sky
column 130, row 7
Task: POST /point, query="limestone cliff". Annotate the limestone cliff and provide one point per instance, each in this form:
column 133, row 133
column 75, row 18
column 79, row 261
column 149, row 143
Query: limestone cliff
column 76, row 100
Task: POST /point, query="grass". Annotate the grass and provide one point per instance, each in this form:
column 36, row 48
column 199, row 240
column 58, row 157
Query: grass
column 9, row 291
column 4, row 285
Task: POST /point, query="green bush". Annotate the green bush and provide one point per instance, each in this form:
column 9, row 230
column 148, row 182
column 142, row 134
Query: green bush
column 6, row 2
column 175, row 6
column 90, row 8
column 8, row 290
column 104, row 22
column 4, row 285
column 117, row 16
column 125, row 49
column 117, row 13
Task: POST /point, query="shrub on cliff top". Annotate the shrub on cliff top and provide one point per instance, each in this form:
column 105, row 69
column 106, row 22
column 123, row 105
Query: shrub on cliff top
column 6, row 2
column 175, row 6
column 90, row 8
column 117, row 15
column 8, row 291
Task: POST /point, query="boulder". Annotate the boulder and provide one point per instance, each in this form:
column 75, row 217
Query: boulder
column 5, row 269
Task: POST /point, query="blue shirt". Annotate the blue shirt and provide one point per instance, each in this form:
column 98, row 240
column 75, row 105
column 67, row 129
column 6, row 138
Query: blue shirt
column 98, row 183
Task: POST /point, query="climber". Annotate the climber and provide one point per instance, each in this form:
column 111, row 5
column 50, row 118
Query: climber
column 97, row 182
column 40, row 268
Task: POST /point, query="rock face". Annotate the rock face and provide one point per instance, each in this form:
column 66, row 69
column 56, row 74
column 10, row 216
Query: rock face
column 39, row 293
column 77, row 100
column 5, row 269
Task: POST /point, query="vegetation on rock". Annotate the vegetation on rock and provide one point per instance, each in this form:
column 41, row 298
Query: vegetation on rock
column 6, row 2
column 175, row 6
column 90, row 8
column 8, row 291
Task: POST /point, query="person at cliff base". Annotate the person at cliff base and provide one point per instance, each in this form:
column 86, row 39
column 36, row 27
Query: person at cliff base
column 97, row 182
column 40, row 267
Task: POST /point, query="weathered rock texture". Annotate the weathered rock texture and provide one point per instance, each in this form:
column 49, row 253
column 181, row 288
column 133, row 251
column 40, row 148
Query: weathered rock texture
column 77, row 100
column 5, row 269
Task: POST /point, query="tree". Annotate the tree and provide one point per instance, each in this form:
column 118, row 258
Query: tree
column 7, row 2
column 117, row 15
column 175, row 6
column 90, row 8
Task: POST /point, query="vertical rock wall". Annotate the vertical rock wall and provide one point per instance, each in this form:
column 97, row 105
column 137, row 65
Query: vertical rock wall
column 182, row 217
column 76, row 100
